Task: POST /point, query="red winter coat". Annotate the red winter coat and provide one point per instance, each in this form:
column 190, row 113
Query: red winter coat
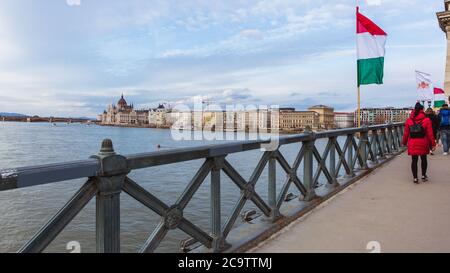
column 419, row 146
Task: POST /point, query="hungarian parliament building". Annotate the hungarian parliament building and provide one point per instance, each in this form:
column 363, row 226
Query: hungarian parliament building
column 123, row 114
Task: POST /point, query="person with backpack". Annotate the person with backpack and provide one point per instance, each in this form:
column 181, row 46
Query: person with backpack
column 435, row 122
column 419, row 137
column 444, row 116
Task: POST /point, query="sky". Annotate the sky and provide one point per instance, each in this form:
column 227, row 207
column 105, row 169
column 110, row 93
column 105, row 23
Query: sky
column 74, row 57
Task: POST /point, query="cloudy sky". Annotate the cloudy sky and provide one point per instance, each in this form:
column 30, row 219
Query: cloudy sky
column 73, row 57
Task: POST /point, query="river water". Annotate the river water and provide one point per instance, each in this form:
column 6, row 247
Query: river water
column 24, row 211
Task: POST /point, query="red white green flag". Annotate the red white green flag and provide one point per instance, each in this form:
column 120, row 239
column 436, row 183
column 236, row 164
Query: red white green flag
column 371, row 41
column 439, row 97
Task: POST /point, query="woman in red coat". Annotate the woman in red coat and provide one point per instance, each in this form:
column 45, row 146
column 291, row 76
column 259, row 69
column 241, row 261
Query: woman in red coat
column 419, row 137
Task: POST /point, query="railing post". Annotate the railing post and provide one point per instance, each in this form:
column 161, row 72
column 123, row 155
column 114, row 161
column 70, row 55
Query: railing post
column 394, row 137
column 399, row 137
column 350, row 158
column 109, row 182
column 363, row 147
column 308, row 167
column 401, row 128
column 272, row 189
column 333, row 162
column 375, row 146
column 389, row 140
column 383, row 143
column 219, row 243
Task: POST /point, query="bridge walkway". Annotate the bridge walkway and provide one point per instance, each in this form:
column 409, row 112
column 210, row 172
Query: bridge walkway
column 385, row 207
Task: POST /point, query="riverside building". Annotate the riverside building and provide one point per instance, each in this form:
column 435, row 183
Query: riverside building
column 123, row 114
column 288, row 119
column 373, row 116
column 326, row 116
column 344, row 120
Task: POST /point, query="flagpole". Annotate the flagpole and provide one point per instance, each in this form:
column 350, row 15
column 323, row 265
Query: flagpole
column 359, row 89
column 359, row 106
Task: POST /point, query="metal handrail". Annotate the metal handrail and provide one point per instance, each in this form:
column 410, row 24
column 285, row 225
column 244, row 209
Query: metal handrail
column 107, row 178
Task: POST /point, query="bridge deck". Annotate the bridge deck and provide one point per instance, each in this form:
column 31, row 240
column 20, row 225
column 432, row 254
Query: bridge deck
column 385, row 207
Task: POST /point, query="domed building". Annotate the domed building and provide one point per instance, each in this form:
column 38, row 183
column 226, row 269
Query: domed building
column 124, row 114
column 122, row 104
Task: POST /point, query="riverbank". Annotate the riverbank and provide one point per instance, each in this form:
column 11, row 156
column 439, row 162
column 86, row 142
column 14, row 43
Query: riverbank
column 45, row 119
column 283, row 132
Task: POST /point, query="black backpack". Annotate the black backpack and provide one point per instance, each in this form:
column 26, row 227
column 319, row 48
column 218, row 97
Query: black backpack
column 417, row 130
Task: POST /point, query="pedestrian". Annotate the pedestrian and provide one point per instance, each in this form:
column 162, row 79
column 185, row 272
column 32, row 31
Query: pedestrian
column 444, row 116
column 419, row 137
column 435, row 122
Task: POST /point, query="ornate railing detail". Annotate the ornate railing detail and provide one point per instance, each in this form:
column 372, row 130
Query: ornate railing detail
column 107, row 178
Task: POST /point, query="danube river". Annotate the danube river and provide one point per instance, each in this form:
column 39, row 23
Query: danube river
column 24, row 211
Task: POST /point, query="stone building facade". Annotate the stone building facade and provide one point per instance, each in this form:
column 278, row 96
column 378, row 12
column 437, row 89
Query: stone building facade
column 344, row 120
column 326, row 116
column 123, row 114
column 159, row 117
column 373, row 116
column 288, row 119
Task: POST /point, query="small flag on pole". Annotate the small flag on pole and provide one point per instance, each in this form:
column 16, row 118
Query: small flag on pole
column 439, row 97
column 371, row 41
column 424, row 89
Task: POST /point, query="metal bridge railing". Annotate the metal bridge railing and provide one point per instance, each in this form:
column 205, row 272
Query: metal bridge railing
column 107, row 177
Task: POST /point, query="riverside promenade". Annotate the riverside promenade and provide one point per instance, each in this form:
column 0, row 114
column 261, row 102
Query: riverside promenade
column 385, row 207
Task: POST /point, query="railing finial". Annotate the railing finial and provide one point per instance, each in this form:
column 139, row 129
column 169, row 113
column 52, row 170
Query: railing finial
column 107, row 147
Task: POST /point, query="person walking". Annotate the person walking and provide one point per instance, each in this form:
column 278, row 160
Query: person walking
column 435, row 122
column 419, row 137
column 444, row 116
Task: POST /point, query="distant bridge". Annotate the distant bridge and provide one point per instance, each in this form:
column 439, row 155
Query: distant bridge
column 356, row 154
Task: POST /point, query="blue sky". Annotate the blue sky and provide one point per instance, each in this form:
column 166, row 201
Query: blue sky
column 73, row 57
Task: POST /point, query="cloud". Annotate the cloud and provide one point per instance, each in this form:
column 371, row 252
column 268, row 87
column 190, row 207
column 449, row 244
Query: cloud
column 10, row 49
column 213, row 97
column 373, row 2
column 252, row 34
column 295, row 27
column 236, row 95
column 278, row 51
column 73, row 2
column 418, row 25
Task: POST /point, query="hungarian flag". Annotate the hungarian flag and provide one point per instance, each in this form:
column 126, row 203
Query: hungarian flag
column 371, row 40
column 439, row 97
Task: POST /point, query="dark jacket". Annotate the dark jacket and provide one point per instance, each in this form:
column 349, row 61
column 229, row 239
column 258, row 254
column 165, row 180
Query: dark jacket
column 444, row 116
column 435, row 122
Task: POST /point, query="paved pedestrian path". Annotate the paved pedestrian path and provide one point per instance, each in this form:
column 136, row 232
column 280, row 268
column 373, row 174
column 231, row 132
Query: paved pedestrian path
column 385, row 207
